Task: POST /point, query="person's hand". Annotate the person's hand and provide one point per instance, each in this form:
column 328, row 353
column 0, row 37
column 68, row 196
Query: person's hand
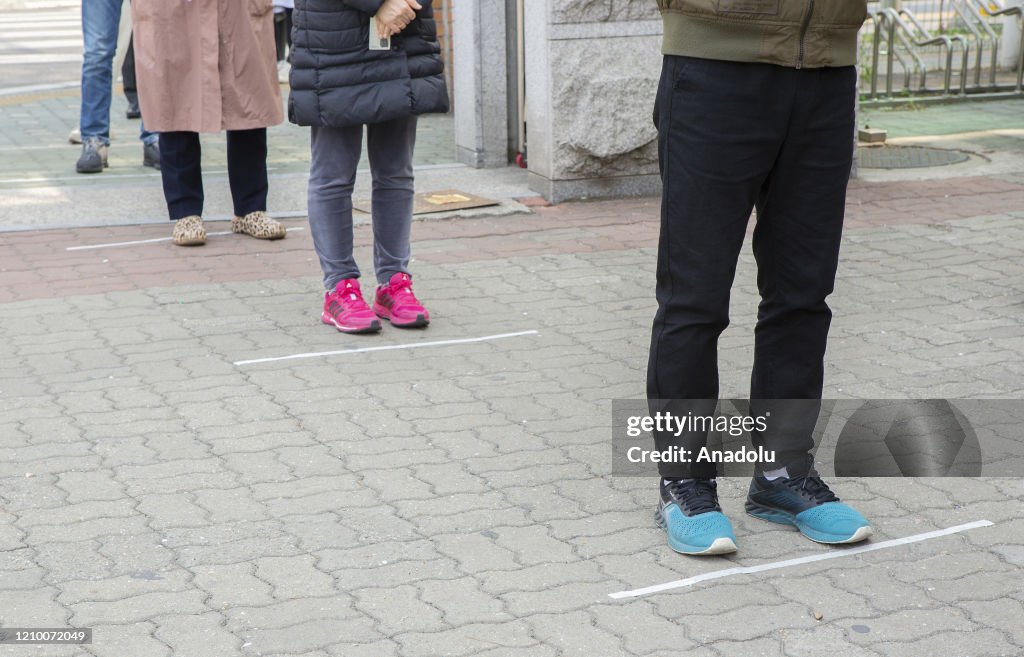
column 395, row 15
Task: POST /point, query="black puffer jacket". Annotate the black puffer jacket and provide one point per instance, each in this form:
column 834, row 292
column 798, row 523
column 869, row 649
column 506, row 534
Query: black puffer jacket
column 337, row 81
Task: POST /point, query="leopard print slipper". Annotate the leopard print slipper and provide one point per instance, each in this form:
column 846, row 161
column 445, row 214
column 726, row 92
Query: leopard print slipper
column 189, row 231
column 258, row 225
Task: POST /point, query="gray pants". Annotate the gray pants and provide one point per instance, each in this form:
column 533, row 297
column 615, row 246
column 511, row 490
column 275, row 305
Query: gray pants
column 335, row 155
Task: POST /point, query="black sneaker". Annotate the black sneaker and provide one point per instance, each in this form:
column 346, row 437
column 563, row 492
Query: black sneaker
column 689, row 513
column 133, row 111
column 94, row 156
column 808, row 504
column 151, row 155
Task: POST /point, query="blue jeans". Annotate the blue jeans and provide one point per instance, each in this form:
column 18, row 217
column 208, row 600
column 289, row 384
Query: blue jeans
column 100, row 19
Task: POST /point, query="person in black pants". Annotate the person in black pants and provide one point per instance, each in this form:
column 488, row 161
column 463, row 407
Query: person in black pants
column 131, row 89
column 734, row 136
column 185, row 90
column 282, row 31
column 181, row 163
column 755, row 109
column 283, row 36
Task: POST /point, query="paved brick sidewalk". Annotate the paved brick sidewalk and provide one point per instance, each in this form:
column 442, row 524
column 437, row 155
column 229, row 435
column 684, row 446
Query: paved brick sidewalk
column 456, row 500
column 34, row 130
column 41, row 189
column 36, row 263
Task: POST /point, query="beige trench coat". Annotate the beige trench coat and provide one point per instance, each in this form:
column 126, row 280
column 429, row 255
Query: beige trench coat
column 206, row 65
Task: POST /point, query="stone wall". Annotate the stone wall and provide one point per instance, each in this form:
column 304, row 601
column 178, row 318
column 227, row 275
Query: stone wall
column 592, row 71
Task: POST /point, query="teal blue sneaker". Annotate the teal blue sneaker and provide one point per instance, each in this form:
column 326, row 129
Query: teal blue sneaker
column 690, row 515
column 808, row 504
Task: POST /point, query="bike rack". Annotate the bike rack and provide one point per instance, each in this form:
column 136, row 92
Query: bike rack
column 1019, row 13
column 971, row 20
column 919, row 64
column 876, row 46
column 891, row 18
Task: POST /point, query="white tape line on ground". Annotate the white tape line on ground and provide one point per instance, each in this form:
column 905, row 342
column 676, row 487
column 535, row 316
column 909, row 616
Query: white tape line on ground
column 33, row 88
column 87, row 247
column 48, row 58
column 108, row 178
column 835, row 554
column 36, row 42
column 389, row 347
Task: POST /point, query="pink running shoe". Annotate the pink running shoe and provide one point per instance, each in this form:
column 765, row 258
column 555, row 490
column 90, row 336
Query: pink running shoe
column 345, row 309
column 396, row 303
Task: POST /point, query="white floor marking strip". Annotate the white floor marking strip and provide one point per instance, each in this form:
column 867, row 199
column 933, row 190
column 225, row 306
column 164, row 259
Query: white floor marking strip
column 67, row 30
column 150, row 241
column 835, row 554
column 32, row 88
column 363, row 350
column 108, row 177
column 40, row 43
column 46, row 58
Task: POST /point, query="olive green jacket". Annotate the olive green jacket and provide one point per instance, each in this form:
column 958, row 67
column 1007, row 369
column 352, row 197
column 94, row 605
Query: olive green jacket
column 794, row 33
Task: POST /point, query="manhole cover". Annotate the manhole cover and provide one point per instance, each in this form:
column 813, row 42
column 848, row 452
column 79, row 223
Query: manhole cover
column 907, row 157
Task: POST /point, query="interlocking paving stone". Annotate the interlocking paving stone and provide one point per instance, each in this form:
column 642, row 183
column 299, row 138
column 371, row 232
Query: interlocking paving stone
column 456, row 500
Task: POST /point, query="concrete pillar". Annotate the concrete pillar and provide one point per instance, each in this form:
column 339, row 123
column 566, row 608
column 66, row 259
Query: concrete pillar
column 592, row 72
column 480, row 80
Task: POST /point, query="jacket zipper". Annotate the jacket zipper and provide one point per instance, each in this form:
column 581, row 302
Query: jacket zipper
column 803, row 32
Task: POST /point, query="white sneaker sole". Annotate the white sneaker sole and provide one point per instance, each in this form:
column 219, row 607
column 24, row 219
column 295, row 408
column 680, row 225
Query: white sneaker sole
column 373, row 327
column 861, row 534
column 719, row 546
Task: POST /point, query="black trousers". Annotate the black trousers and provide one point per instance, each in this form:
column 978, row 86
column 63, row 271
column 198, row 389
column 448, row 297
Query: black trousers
column 734, row 136
column 283, row 33
column 181, row 170
column 131, row 89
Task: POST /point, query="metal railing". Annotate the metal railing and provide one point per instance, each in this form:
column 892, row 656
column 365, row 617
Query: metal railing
column 912, row 34
column 982, row 33
column 1017, row 11
column 929, row 41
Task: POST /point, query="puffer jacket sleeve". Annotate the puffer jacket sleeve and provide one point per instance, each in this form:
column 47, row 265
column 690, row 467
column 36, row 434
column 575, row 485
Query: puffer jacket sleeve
column 367, row 6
